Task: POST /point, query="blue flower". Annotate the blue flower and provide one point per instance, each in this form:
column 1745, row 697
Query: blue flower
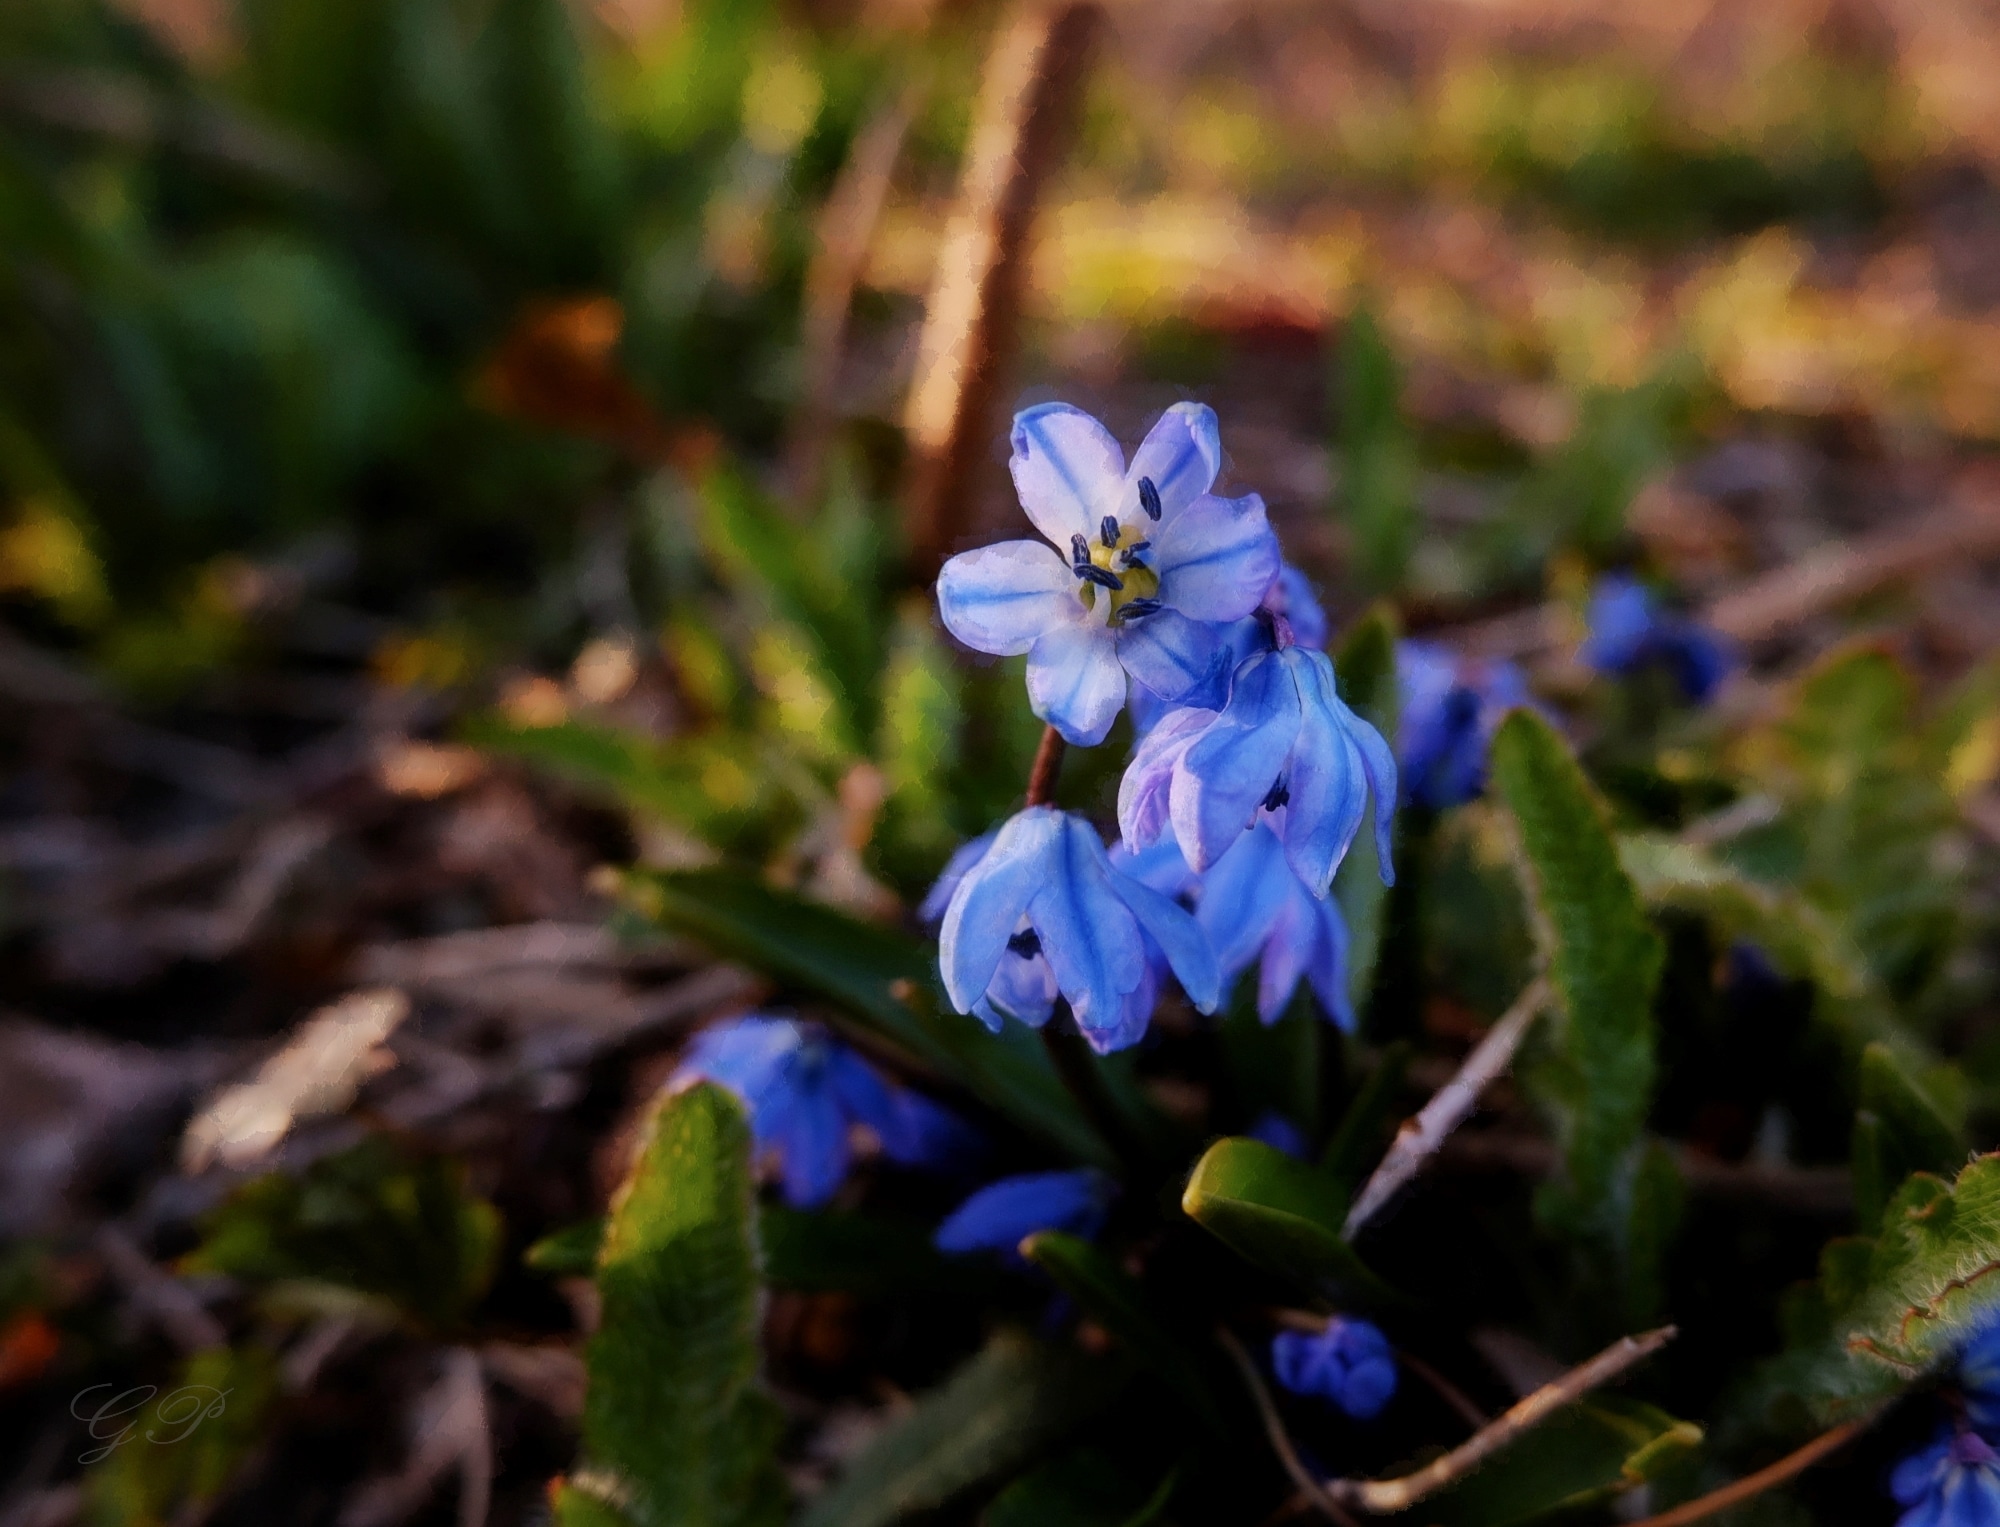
column 805, row 1091
column 1280, row 1133
column 1287, row 745
column 1349, row 1363
column 1450, row 711
column 1955, row 1482
column 1979, row 1377
column 1044, row 913
column 1290, row 598
column 1629, row 631
column 1145, row 569
column 1254, row 908
column 1003, row 1214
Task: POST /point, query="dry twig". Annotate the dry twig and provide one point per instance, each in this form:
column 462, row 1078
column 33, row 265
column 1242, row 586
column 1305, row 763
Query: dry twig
column 1281, row 1442
column 1743, row 1489
column 1419, row 1138
column 1020, row 127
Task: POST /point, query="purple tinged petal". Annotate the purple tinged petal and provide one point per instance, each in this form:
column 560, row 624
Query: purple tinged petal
column 1162, row 867
column 1217, row 559
column 1292, row 596
column 1144, row 792
column 1326, row 969
column 1000, row 599
column 987, row 907
column 927, row 1135
column 1178, row 659
column 1181, row 454
column 1003, row 1214
column 1068, row 470
column 1090, row 938
column 1075, row 682
column 1179, row 937
column 957, row 867
column 1280, row 1133
column 1327, row 784
column 862, row 1094
column 1222, row 779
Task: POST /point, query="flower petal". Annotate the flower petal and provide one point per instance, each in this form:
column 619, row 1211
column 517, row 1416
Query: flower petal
column 1181, row 939
column 999, row 599
column 1326, row 967
column 1076, row 683
column 1181, row 454
column 1176, row 658
column 1090, row 937
column 1001, row 1215
column 1067, row 469
column 812, row 1148
column 956, row 868
column 986, row 908
column 1024, row 990
column 1217, row 559
column 1143, row 792
column 1242, row 896
column 1222, row 779
column 863, row 1095
column 1327, row 783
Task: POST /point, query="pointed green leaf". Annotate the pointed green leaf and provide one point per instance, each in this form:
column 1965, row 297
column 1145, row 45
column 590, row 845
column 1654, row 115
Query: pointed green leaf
column 1113, row 1298
column 991, row 1417
column 1281, row 1214
column 676, row 1431
column 864, row 968
column 1596, row 1079
column 1579, row 1457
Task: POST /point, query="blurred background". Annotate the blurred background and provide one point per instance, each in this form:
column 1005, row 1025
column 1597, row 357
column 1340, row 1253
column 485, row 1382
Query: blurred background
column 451, row 446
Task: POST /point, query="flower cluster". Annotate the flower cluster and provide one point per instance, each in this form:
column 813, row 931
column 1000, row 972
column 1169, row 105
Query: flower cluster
column 1955, row 1481
column 1249, row 782
column 805, row 1092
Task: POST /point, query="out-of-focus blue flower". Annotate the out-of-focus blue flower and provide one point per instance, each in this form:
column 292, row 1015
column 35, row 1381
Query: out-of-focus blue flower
column 1254, row 908
column 1003, row 1214
column 1629, row 631
column 1044, row 913
column 1979, row 1377
column 1450, row 710
column 1349, row 1363
column 1286, row 745
column 805, row 1091
column 1955, row 1482
column 1280, row 1133
column 1145, row 569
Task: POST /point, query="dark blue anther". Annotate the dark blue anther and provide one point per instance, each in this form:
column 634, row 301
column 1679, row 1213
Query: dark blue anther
column 1137, row 609
column 1130, row 556
column 1277, row 797
column 1104, row 578
column 1027, row 943
column 1107, row 530
column 1149, row 498
column 1079, row 553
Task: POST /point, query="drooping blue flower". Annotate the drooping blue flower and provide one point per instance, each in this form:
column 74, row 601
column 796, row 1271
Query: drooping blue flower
column 1280, row 1133
column 1287, row 745
column 1255, row 909
column 1044, row 913
column 1955, row 1482
column 1629, row 631
column 1349, row 1363
column 1142, row 570
column 1003, row 1214
column 805, row 1091
column 1979, row 1378
column 1289, row 598
column 1450, row 710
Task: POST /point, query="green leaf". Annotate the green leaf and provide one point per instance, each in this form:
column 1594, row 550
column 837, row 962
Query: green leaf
column 1888, row 1311
column 398, row 1228
column 676, row 1431
column 1369, row 1123
column 1113, row 1298
column 1281, row 1214
column 863, row 968
column 1596, row 1075
column 568, row 1252
column 1581, row 1456
column 1903, row 1125
column 1366, row 664
column 1083, row 1488
column 1379, row 459
column 991, row 1417
column 189, row 1440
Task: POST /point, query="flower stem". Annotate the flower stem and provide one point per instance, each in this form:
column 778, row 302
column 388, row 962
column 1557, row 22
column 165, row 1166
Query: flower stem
column 1076, row 1063
column 1047, row 768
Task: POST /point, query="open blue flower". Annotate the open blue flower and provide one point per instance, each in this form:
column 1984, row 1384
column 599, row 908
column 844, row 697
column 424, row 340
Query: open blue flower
column 1349, row 1363
column 1003, row 1214
column 1142, row 568
column 805, row 1091
column 1044, row 913
column 1450, row 710
column 1254, row 909
column 1629, row 631
column 1286, row 745
column 1955, row 1482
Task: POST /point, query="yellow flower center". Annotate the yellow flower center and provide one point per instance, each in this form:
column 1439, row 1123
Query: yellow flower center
column 1125, row 561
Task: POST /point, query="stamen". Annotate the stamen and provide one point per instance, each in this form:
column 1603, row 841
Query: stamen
column 1136, row 609
column 1103, row 577
column 1277, row 796
column 1130, row 555
column 1149, row 498
column 1027, row 943
column 1079, row 553
column 1107, row 530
